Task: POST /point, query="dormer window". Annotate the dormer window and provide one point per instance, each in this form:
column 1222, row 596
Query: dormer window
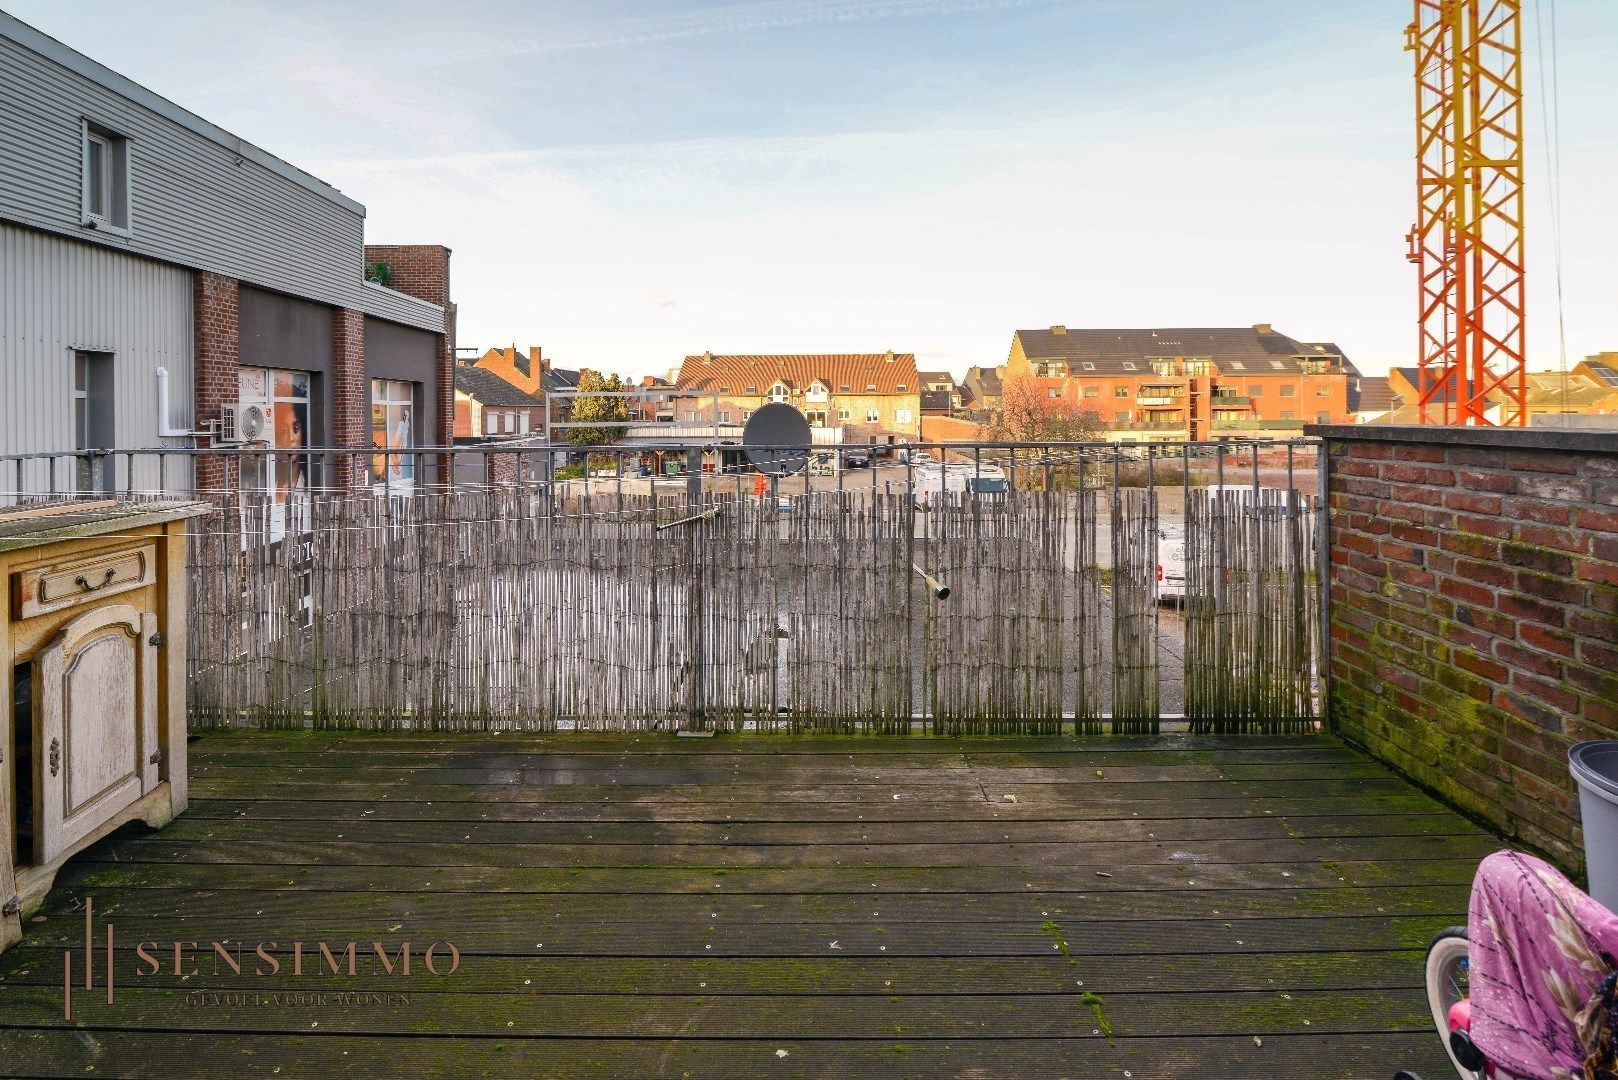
column 780, row 392
column 843, row 389
column 870, row 388
column 752, row 389
column 900, row 388
column 817, row 391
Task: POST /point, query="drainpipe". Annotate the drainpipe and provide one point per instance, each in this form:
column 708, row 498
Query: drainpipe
column 164, row 429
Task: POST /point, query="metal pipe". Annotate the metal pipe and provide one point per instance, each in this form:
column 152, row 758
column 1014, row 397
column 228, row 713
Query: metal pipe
column 939, row 589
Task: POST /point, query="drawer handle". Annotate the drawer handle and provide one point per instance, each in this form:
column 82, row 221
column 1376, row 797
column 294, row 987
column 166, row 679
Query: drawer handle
column 82, row 582
column 56, row 756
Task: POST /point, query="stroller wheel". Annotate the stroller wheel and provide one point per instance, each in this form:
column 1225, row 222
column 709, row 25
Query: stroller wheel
column 1448, row 968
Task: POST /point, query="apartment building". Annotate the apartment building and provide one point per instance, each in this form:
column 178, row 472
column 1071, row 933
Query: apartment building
column 1187, row 383
column 159, row 271
column 848, row 397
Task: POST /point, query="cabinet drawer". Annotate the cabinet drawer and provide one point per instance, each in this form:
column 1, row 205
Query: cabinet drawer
column 44, row 589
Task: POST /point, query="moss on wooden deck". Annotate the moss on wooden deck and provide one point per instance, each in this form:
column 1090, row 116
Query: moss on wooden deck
column 756, row 906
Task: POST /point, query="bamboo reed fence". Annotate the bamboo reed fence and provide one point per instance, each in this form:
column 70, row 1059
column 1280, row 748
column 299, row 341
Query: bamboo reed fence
column 509, row 608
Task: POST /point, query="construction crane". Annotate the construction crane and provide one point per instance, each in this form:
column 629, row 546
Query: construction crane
column 1467, row 242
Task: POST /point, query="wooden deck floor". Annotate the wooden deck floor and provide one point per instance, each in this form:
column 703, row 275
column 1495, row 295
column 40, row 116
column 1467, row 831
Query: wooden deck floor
column 739, row 907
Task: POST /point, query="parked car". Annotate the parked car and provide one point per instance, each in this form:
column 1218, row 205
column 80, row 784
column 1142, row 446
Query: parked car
column 857, row 459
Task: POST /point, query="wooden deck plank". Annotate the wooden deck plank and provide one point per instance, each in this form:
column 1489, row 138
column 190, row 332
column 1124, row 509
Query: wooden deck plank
column 60, row 1053
column 644, row 905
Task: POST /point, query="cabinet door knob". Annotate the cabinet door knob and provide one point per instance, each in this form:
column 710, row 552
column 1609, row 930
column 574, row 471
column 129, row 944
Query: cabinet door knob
column 56, row 756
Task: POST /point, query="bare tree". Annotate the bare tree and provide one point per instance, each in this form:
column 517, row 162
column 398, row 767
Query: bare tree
column 1028, row 413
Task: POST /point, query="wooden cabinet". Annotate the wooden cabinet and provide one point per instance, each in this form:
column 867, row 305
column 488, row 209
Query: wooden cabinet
column 92, row 661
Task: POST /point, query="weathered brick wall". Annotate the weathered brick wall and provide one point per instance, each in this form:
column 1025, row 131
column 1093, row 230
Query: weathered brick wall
column 350, row 390
column 1474, row 613
column 217, row 341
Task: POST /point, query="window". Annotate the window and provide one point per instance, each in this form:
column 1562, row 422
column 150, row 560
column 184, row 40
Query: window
column 1087, row 366
column 900, row 388
column 752, row 389
column 522, row 422
column 1092, row 391
column 779, row 392
column 1288, row 416
column 724, row 389
column 1278, row 365
column 747, row 414
column 872, row 416
column 1322, row 417
column 393, row 406
column 870, row 388
column 1120, row 391
column 1255, row 390
column 1121, row 416
column 106, row 179
column 817, row 418
column 92, row 413
column 1289, row 390
column 724, row 416
column 842, row 389
column 1237, row 365
column 844, row 415
column 901, row 416
column 491, row 423
column 1324, row 391
column 1053, row 393
column 1129, row 365
column 286, row 395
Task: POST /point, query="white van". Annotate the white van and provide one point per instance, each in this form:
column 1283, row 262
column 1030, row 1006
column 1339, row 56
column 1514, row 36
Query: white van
column 1171, row 561
column 933, row 478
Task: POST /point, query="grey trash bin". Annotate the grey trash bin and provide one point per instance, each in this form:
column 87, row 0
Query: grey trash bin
column 1595, row 770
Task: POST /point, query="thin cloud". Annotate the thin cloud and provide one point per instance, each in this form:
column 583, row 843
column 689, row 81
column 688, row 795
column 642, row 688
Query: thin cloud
column 729, row 19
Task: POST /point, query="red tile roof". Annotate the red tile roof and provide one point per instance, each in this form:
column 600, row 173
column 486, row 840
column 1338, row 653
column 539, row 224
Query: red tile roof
column 841, row 373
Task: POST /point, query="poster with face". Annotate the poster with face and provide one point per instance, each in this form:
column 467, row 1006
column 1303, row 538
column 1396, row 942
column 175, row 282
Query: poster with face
column 291, row 433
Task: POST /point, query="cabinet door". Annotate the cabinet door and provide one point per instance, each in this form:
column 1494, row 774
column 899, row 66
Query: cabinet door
column 96, row 700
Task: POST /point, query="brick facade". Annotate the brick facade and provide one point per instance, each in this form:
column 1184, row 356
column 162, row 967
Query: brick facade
column 216, row 325
column 350, row 390
column 1474, row 614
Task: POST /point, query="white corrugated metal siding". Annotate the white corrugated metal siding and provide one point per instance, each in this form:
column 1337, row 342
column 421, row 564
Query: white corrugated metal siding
column 195, row 202
column 58, row 296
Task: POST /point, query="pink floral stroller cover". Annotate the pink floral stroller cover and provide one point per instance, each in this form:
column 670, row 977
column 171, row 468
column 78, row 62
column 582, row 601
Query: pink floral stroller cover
column 1543, row 957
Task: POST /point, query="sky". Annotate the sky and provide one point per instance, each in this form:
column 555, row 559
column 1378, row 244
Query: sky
column 626, row 183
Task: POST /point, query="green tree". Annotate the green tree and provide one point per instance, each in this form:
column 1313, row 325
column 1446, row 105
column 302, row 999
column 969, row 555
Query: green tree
column 606, row 415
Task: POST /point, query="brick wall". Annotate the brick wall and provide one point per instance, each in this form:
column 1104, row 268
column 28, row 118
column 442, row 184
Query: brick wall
column 1474, row 613
column 217, row 334
column 350, row 390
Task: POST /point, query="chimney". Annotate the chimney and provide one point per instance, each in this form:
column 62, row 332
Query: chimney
column 1058, row 331
column 890, row 356
column 1263, row 328
column 707, row 357
column 536, row 359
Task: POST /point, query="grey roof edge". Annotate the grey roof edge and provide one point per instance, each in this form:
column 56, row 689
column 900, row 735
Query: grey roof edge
column 42, row 43
column 1571, row 440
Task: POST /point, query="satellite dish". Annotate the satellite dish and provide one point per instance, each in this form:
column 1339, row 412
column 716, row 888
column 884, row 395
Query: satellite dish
column 775, row 439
